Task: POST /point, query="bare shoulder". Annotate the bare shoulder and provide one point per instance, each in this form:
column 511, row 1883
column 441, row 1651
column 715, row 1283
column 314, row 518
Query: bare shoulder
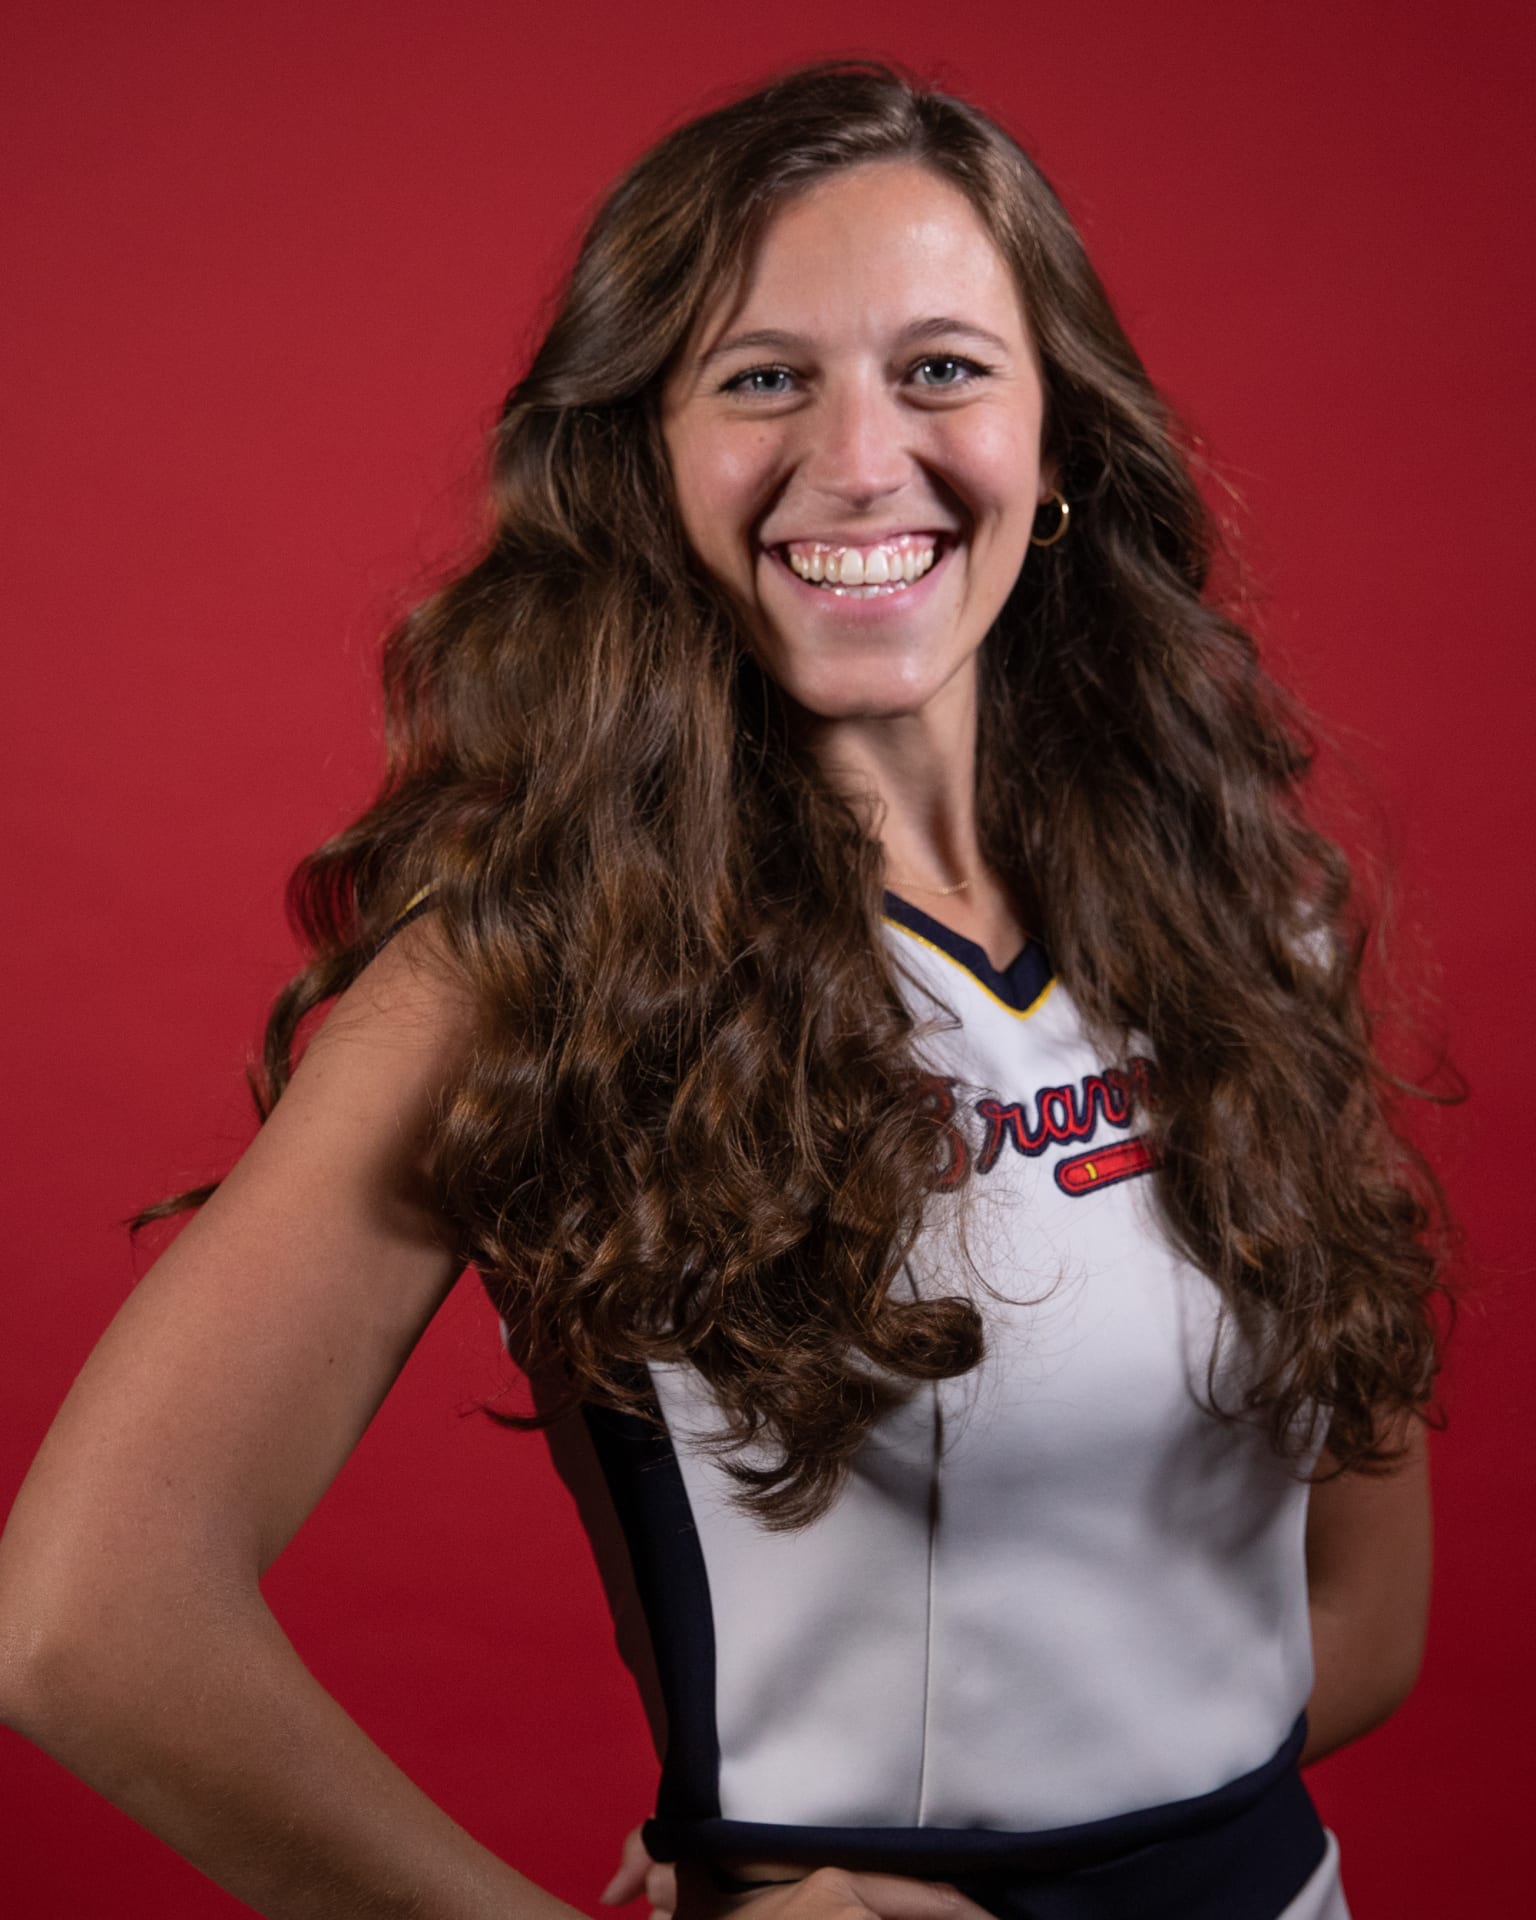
column 351, row 1133
column 411, row 1005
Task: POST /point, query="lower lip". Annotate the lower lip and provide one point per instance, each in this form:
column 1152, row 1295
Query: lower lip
column 866, row 606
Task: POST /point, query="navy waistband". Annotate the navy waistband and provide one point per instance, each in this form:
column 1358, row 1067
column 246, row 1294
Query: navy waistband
column 1241, row 1852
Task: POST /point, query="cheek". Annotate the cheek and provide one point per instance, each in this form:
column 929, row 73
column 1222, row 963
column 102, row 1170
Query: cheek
column 997, row 461
column 719, row 478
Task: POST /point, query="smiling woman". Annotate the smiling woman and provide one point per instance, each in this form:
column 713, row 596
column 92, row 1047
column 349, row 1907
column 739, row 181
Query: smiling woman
column 989, row 1342
column 872, row 454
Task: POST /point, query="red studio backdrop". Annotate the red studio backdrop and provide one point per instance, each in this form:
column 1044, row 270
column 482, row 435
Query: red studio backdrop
column 269, row 270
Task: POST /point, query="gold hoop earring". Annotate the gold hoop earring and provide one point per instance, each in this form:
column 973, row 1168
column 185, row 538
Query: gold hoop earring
column 1064, row 514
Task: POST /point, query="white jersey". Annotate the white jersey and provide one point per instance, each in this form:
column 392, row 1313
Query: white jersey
column 1057, row 1616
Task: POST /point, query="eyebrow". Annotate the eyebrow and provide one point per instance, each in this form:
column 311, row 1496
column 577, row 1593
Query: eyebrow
column 938, row 326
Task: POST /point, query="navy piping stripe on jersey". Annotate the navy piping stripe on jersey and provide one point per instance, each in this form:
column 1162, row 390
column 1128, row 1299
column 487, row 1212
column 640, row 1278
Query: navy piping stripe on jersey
column 1018, row 986
column 646, row 1486
column 415, row 907
column 1240, row 1852
column 1251, row 1867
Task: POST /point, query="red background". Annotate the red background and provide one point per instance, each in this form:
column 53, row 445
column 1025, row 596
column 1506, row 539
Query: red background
column 269, row 270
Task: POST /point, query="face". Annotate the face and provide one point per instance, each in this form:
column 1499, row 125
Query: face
column 854, row 438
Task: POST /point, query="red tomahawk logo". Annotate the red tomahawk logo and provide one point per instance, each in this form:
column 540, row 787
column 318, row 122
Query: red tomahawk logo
column 1086, row 1172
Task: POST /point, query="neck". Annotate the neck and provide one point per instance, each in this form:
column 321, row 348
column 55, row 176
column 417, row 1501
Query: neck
column 912, row 778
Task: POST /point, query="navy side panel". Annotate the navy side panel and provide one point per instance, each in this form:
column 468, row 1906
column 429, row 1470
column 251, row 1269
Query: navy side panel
column 652, row 1504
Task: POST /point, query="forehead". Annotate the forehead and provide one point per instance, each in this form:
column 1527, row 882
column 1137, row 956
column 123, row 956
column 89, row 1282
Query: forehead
column 867, row 250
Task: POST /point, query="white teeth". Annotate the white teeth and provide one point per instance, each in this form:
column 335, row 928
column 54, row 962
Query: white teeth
column 882, row 569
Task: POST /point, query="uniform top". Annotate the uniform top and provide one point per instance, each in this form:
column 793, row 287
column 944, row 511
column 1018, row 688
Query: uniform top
column 1054, row 1590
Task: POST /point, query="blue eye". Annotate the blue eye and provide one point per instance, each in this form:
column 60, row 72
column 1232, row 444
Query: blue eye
column 954, row 372
column 749, row 381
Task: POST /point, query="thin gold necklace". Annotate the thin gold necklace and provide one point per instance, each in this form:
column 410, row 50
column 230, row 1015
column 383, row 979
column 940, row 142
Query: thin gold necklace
column 913, row 886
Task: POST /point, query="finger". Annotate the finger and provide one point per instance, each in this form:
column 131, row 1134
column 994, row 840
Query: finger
column 634, row 1864
column 895, row 1897
column 661, row 1890
column 827, row 1893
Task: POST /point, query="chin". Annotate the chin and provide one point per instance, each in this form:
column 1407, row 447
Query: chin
column 880, row 689
column 858, row 704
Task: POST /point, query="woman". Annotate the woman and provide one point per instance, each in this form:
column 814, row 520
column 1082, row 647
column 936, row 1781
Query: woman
column 953, row 1334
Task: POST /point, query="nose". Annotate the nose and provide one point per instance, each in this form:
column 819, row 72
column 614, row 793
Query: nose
column 855, row 449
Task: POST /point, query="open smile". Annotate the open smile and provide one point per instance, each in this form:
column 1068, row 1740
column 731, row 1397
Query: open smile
column 883, row 575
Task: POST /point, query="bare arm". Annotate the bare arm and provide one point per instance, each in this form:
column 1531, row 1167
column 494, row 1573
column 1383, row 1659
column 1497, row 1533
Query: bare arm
column 135, row 1645
column 1368, row 1579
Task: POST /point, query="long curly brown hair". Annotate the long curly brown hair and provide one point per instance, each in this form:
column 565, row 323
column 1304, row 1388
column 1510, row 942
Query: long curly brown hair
column 696, row 1126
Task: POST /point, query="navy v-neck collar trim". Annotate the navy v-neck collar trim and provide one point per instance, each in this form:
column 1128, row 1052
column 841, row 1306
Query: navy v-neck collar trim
column 1019, row 985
